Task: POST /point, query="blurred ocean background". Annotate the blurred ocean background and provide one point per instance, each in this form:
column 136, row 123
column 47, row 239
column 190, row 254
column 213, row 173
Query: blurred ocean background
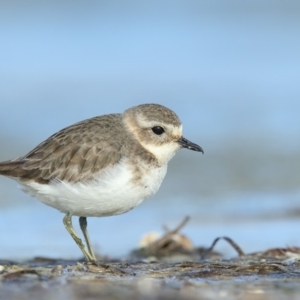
column 229, row 69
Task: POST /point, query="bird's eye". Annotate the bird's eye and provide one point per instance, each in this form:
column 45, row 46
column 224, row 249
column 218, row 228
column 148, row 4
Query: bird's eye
column 158, row 130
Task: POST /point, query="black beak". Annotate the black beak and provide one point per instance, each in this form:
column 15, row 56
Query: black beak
column 189, row 145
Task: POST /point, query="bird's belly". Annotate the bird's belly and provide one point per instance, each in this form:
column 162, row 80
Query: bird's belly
column 109, row 193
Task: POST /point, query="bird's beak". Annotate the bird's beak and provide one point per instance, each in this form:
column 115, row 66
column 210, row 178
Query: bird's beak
column 184, row 143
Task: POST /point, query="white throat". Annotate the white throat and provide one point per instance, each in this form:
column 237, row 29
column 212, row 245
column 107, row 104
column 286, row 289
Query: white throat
column 163, row 153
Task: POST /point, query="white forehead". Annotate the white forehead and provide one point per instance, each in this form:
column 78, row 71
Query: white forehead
column 176, row 130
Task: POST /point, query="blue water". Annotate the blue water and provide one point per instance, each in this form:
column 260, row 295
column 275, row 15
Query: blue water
column 32, row 229
column 229, row 69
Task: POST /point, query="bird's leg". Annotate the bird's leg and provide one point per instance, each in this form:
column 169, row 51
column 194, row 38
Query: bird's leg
column 68, row 224
column 83, row 226
column 88, row 252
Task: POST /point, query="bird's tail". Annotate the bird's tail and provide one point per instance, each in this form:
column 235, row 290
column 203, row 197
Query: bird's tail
column 11, row 167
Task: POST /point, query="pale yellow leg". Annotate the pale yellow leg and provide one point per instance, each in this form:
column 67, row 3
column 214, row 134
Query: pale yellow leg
column 83, row 226
column 68, row 224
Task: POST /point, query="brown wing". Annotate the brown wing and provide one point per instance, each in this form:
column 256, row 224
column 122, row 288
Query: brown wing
column 74, row 153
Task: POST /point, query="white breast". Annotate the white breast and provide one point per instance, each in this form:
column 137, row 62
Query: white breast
column 112, row 191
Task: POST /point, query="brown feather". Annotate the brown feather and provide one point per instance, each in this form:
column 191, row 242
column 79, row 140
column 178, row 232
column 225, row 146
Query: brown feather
column 73, row 154
column 77, row 152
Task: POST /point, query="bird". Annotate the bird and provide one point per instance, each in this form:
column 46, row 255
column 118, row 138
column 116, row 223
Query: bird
column 102, row 166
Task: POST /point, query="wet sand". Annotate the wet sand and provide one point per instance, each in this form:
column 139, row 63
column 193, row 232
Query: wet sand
column 167, row 268
column 263, row 277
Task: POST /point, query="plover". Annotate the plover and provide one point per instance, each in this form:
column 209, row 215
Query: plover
column 102, row 166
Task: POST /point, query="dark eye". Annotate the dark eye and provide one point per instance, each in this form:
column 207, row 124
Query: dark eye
column 158, row 130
